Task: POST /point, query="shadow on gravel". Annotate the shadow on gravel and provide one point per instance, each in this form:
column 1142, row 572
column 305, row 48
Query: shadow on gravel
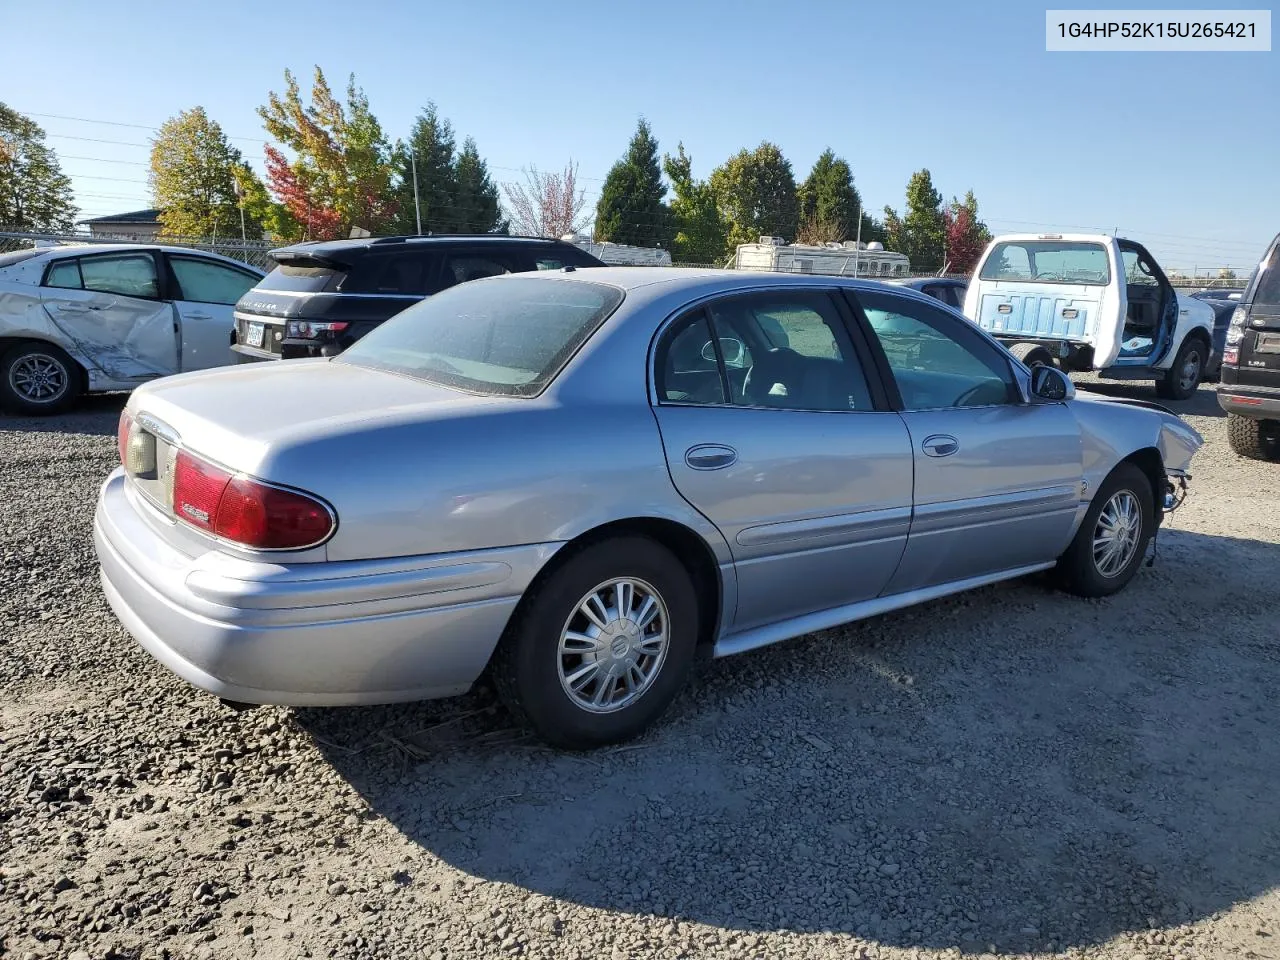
column 96, row 415
column 1204, row 403
column 1012, row 769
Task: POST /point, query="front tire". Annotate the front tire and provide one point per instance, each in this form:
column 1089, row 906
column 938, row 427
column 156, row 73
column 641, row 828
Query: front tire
column 599, row 649
column 1113, row 537
column 1255, row 439
column 38, row 379
column 1032, row 354
column 1182, row 379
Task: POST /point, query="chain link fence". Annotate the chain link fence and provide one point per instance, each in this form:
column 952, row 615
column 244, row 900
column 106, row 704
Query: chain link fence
column 252, row 252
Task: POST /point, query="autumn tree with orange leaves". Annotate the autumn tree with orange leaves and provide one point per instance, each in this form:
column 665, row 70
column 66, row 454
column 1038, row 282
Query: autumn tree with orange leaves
column 337, row 173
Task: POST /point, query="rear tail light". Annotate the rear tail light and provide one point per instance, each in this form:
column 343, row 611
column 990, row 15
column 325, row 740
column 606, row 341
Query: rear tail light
column 137, row 448
column 1231, row 356
column 247, row 511
column 306, row 330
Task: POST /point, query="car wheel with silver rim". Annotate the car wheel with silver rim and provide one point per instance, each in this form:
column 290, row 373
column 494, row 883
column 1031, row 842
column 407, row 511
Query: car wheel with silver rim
column 38, row 378
column 1108, row 547
column 601, row 644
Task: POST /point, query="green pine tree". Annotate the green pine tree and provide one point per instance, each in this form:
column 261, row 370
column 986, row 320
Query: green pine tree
column 631, row 208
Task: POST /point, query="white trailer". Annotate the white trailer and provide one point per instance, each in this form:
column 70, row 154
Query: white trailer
column 849, row 259
column 620, row 254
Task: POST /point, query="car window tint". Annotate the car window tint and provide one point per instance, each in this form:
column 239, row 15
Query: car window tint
column 687, row 370
column 937, row 361
column 795, row 353
column 205, row 282
column 65, row 274
column 461, row 267
column 398, row 273
column 129, row 276
column 509, row 337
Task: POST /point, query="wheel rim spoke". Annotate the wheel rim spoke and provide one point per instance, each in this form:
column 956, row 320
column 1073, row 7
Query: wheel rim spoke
column 613, row 645
column 38, row 378
column 1117, row 533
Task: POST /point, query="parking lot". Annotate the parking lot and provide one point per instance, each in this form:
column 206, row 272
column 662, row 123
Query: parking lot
column 1011, row 772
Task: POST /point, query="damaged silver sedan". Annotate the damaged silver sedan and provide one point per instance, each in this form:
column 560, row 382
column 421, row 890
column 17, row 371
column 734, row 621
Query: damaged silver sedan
column 100, row 318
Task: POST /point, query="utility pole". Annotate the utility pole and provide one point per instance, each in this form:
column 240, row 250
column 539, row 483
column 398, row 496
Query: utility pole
column 417, row 210
column 857, row 243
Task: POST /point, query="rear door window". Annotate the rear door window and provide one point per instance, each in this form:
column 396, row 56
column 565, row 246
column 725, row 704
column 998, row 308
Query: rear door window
column 1267, row 291
column 462, row 265
column 203, row 281
column 402, row 272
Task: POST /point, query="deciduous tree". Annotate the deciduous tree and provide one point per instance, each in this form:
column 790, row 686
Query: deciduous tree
column 700, row 231
column 35, row 194
column 195, row 175
column 967, row 236
column 756, row 192
column 546, row 204
column 631, row 208
column 340, row 173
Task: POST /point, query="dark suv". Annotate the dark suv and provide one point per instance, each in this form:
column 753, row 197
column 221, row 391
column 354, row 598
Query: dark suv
column 323, row 296
column 1250, row 387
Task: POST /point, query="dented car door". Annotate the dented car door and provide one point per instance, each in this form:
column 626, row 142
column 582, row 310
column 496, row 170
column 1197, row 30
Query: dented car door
column 110, row 307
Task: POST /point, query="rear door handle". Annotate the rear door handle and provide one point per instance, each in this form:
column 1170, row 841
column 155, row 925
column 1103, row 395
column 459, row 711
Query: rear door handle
column 199, row 316
column 940, row 445
column 710, row 456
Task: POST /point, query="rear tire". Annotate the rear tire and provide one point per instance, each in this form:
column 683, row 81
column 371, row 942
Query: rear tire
column 582, row 663
column 1031, row 354
column 38, row 379
column 1122, row 513
column 1183, row 378
column 1255, row 439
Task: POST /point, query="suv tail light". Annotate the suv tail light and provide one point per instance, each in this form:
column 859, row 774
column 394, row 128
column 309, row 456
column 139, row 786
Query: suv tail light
column 310, row 330
column 247, row 511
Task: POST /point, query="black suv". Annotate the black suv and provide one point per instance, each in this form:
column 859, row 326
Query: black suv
column 1250, row 387
column 324, row 296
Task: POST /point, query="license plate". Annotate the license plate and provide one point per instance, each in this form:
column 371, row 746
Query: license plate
column 253, row 337
column 1268, row 343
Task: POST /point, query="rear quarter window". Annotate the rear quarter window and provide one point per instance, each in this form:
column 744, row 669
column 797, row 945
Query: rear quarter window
column 1267, row 289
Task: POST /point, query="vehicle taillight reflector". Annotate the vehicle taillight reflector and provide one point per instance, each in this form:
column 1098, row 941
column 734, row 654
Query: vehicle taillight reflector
column 122, row 435
column 244, row 510
column 1247, row 401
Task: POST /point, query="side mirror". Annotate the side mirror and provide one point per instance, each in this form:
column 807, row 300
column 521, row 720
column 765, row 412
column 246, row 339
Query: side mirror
column 732, row 349
column 1050, row 384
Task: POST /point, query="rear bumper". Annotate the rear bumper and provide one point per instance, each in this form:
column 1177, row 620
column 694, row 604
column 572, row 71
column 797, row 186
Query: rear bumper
column 308, row 634
column 1256, row 403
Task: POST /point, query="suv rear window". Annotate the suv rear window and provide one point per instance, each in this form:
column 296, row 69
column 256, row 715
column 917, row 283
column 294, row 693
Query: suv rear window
column 506, row 337
column 301, row 279
column 399, row 272
column 1048, row 261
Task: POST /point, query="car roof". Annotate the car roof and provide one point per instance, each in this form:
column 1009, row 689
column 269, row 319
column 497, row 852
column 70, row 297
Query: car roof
column 85, row 249
column 917, row 282
column 695, row 280
column 364, row 243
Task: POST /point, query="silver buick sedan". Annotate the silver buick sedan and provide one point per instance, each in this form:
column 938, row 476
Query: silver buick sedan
column 578, row 482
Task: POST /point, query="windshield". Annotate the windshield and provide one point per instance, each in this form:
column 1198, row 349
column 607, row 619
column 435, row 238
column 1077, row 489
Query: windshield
column 507, row 337
column 1049, row 261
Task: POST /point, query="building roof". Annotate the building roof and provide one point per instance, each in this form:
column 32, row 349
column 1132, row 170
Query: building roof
column 134, row 216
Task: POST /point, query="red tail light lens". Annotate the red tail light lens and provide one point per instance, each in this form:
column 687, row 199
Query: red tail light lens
column 122, row 435
column 246, row 511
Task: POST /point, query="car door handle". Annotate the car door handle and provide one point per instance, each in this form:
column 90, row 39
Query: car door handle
column 940, row 445
column 74, row 307
column 710, row 456
column 199, row 316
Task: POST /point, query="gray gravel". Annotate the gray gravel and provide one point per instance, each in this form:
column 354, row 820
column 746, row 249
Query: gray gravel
column 1007, row 773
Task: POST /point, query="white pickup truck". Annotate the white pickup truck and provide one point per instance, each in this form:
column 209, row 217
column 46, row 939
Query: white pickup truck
column 1091, row 302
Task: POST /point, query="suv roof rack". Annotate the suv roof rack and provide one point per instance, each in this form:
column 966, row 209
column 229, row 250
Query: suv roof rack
column 409, row 238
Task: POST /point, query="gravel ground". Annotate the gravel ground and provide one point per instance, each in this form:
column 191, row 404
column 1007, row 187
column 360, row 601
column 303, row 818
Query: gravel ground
column 1008, row 773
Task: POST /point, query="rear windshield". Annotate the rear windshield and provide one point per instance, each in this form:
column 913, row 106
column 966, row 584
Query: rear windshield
column 505, row 337
column 301, row 279
column 1049, row 261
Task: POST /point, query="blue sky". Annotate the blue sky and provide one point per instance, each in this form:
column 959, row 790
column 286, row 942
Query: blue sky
column 1179, row 150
